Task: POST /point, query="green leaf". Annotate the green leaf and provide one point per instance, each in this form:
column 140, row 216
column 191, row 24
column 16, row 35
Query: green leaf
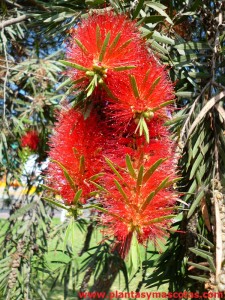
column 73, row 65
column 114, row 42
column 154, row 84
column 192, row 46
column 124, row 45
column 160, row 219
column 120, row 189
column 198, row 266
column 66, row 82
column 140, row 178
column 67, row 234
column 134, row 86
column 130, row 166
column 82, row 164
column 195, row 203
column 186, row 94
column 162, row 38
column 111, row 165
column 104, row 46
column 66, row 174
column 162, row 185
column 199, row 278
column 160, row 9
column 50, row 189
column 196, row 165
column 123, row 68
column 51, row 201
column 211, row 264
column 147, row 201
column 77, row 197
column 146, row 131
column 201, row 253
column 206, row 241
column 138, row 8
column 100, row 188
column 82, row 47
column 152, row 169
column 96, row 176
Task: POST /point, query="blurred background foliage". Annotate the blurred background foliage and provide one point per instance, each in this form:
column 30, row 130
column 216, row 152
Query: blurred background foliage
column 38, row 253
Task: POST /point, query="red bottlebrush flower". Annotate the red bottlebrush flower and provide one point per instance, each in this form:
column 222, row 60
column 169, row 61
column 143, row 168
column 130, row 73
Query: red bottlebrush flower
column 140, row 202
column 145, row 97
column 30, row 139
column 102, row 49
column 77, row 145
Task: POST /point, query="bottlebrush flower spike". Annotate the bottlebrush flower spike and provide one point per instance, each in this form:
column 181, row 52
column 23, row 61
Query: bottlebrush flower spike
column 140, row 202
column 30, row 139
column 103, row 49
column 145, row 97
column 75, row 152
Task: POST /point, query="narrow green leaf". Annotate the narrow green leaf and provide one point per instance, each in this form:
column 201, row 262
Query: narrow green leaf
column 206, row 241
column 82, row 47
column 66, row 174
column 195, row 203
column 160, row 9
column 134, row 86
column 124, row 45
column 162, row 105
column 152, row 169
column 114, row 42
column 66, row 82
column 51, row 201
column 120, row 189
column 160, row 219
column 192, row 46
column 111, row 165
column 82, row 164
column 211, row 264
column 154, row 84
column 123, row 68
column 147, row 201
column 199, row 278
column 96, row 176
column 138, row 9
column 140, row 178
column 104, row 46
column 146, row 78
column 162, row 185
column 146, row 131
column 159, row 37
column 130, row 166
column 196, row 165
column 67, row 234
column 73, row 65
column 77, row 197
column 101, row 188
column 50, row 189
column 198, row 266
column 91, row 87
column 201, row 253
